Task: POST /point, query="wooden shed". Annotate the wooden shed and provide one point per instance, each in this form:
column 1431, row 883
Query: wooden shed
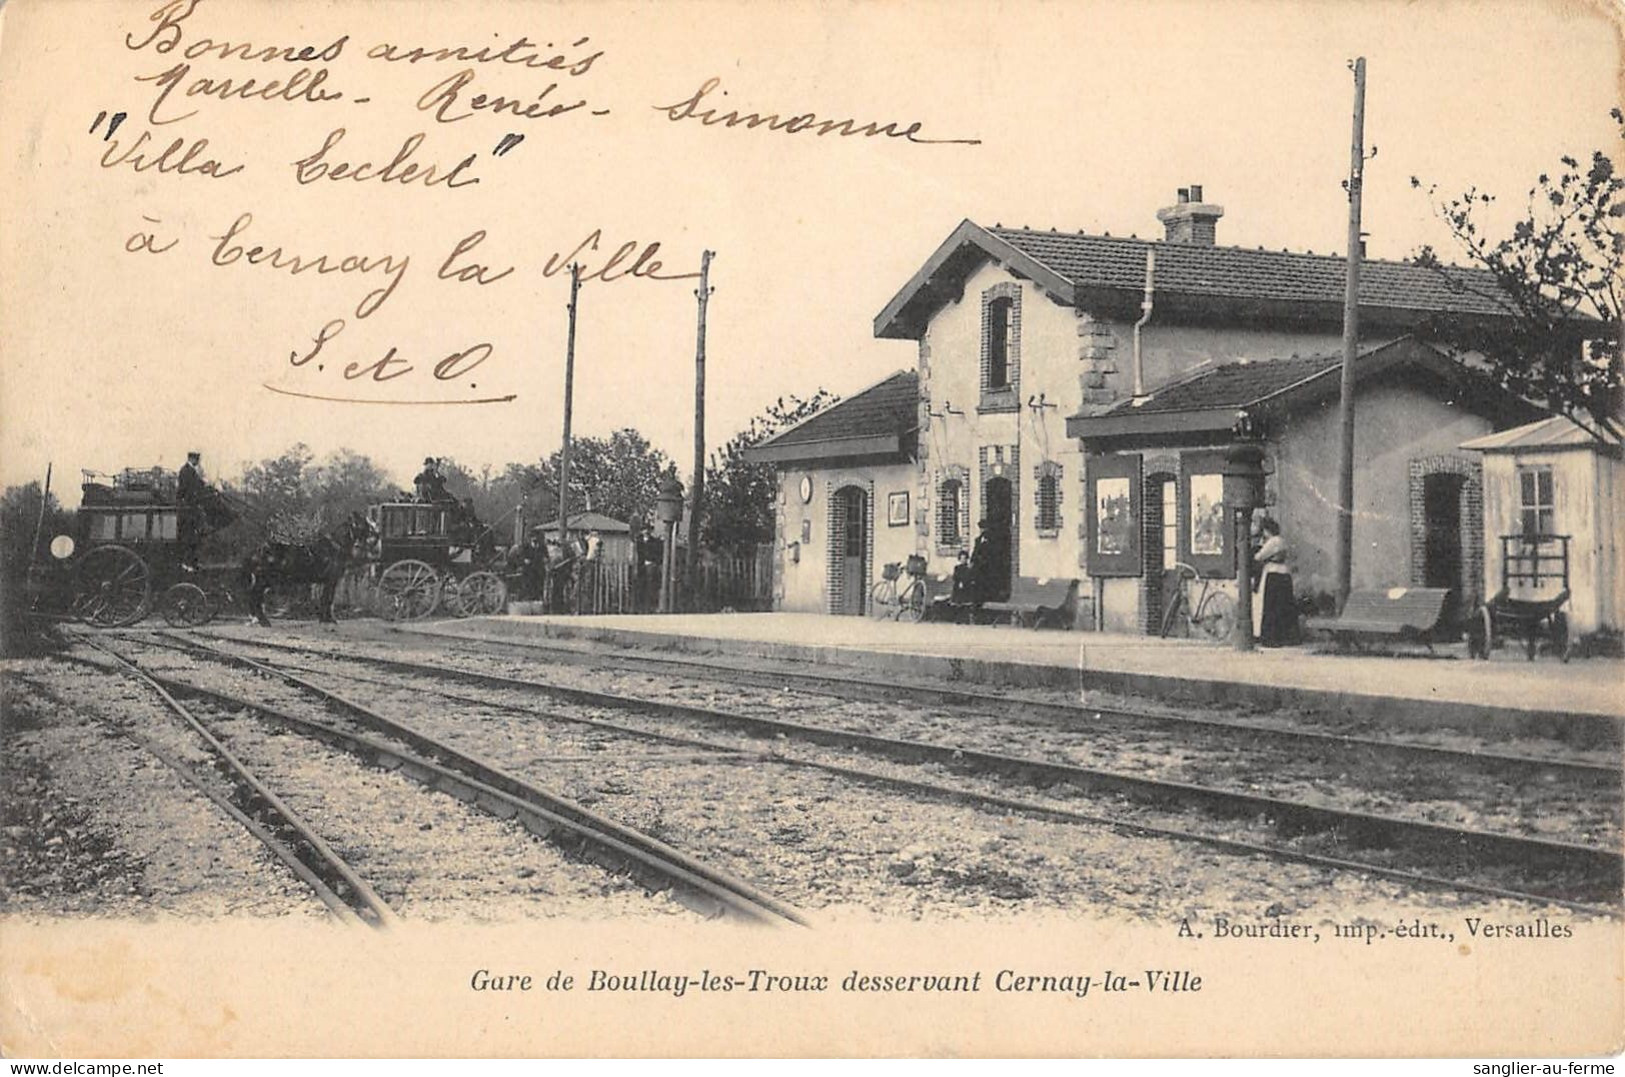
column 1552, row 478
column 616, row 534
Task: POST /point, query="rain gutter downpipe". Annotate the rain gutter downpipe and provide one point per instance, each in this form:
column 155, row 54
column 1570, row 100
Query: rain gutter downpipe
column 1145, row 316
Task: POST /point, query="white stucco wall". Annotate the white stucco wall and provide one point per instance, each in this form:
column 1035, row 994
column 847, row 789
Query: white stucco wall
column 803, row 585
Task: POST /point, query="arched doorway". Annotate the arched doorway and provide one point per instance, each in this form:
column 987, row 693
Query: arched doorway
column 1441, row 528
column 848, row 550
column 999, row 537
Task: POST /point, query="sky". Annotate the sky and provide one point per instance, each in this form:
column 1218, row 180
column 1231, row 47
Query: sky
column 1086, row 116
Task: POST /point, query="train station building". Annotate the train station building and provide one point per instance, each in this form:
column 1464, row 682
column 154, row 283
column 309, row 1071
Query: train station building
column 1076, row 392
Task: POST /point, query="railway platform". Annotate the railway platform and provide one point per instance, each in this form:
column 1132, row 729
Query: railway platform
column 1399, row 688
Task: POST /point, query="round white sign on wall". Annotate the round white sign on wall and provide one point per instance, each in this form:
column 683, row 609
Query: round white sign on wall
column 806, row 489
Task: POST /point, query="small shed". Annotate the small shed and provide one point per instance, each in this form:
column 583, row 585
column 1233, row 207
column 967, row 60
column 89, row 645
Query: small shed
column 616, row 534
column 1552, row 478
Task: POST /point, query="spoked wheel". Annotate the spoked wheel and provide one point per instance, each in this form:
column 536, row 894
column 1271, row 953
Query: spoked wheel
column 408, row 591
column 1217, row 616
column 912, row 603
column 480, row 594
column 186, row 605
column 112, row 587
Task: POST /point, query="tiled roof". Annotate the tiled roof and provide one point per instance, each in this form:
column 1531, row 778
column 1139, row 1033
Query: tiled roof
column 1234, row 384
column 1241, row 273
column 889, row 408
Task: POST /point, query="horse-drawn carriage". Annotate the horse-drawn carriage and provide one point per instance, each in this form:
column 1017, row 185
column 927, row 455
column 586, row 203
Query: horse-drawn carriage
column 131, row 552
column 433, row 556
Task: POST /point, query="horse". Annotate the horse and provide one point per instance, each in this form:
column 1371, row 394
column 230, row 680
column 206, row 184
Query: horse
column 322, row 561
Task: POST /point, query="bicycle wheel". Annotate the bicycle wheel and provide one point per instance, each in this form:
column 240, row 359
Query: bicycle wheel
column 911, row 603
column 883, row 600
column 1216, row 616
column 1171, row 615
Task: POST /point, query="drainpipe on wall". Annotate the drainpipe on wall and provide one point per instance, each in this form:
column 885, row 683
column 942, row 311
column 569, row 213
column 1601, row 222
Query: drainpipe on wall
column 1145, row 316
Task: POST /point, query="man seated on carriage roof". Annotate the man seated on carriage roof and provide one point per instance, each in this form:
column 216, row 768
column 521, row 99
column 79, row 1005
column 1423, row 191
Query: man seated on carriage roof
column 431, row 482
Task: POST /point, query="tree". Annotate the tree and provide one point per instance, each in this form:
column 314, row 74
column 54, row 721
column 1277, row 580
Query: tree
column 348, row 481
column 1560, row 277
column 739, row 494
column 20, row 522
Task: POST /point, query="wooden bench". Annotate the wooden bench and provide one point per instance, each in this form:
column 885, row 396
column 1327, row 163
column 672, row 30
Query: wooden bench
column 1406, row 614
column 1046, row 603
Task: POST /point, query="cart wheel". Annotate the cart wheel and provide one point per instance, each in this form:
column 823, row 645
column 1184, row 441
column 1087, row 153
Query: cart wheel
column 1480, row 633
column 1560, row 635
column 186, row 605
column 111, row 587
column 481, row 594
column 408, row 591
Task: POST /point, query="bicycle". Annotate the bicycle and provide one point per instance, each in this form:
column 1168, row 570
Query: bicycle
column 908, row 604
column 1211, row 613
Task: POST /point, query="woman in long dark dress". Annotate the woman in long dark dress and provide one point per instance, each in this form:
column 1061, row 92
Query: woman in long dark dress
column 1275, row 613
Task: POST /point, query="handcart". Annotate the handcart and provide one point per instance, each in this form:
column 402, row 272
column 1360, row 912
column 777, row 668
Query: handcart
column 1534, row 590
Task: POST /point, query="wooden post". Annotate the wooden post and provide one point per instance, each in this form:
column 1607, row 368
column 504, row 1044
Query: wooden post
column 697, row 490
column 1351, row 343
column 569, row 400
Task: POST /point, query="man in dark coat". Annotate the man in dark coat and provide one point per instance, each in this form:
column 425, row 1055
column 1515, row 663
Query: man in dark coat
column 190, row 493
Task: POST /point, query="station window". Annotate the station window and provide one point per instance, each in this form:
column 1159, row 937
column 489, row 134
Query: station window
column 1047, row 499
column 1535, row 501
column 998, row 342
column 950, row 499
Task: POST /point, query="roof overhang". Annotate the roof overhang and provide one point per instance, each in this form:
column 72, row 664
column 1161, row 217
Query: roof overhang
column 875, row 448
column 1404, row 355
column 942, row 279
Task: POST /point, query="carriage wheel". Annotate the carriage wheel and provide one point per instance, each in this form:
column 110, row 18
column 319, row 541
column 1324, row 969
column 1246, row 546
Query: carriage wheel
column 408, row 591
column 186, row 605
column 481, row 594
column 111, row 587
column 1216, row 616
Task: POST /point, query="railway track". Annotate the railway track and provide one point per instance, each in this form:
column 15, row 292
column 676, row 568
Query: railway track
column 1052, row 713
column 1546, row 871
column 256, row 808
column 401, row 748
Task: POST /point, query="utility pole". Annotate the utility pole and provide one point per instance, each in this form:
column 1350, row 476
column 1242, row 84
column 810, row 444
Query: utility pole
column 697, row 491
column 569, row 400
column 1351, row 343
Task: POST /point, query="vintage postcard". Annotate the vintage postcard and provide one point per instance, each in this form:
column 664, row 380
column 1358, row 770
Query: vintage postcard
column 811, row 529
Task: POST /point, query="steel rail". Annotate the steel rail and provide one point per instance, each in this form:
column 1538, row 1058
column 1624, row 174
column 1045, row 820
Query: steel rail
column 716, row 890
column 1601, row 867
column 324, row 893
column 280, row 820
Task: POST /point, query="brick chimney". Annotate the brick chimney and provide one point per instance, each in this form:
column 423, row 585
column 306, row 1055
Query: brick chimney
column 1190, row 220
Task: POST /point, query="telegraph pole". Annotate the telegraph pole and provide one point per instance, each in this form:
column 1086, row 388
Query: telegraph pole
column 697, row 490
column 569, row 400
column 1351, row 343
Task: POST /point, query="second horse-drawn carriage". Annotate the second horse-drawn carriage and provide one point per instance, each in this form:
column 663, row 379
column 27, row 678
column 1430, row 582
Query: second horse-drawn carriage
column 434, row 556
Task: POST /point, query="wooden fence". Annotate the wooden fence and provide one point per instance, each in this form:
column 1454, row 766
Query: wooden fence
column 725, row 582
